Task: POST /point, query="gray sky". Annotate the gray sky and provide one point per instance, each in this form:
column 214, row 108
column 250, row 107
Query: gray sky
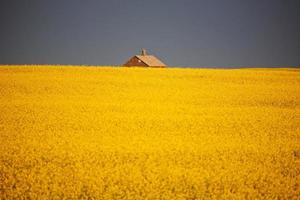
column 193, row 33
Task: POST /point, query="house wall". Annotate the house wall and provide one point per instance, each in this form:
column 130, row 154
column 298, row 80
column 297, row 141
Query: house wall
column 134, row 61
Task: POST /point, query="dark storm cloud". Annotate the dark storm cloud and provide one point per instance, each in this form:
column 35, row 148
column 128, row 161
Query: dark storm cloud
column 181, row 33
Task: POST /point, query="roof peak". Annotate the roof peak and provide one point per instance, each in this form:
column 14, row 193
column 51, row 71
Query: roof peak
column 150, row 60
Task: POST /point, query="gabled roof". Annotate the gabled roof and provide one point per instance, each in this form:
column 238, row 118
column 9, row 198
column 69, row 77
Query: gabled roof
column 151, row 60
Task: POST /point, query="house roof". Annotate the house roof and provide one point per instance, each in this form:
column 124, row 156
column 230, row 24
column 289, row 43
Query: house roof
column 151, row 60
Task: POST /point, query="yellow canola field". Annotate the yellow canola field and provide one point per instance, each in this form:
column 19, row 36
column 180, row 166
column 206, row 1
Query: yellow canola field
column 138, row 133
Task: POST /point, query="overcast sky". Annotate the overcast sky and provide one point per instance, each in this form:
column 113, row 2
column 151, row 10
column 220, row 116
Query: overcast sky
column 190, row 33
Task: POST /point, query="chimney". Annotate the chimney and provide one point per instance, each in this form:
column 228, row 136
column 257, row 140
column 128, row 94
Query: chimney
column 144, row 53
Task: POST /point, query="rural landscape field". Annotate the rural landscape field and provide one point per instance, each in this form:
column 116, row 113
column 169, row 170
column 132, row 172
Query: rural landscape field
column 74, row 132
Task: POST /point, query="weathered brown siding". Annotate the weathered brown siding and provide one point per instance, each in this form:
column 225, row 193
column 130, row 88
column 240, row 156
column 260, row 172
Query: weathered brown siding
column 134, row 61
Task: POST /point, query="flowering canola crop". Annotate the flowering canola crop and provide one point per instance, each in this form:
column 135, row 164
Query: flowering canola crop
column 138, row 133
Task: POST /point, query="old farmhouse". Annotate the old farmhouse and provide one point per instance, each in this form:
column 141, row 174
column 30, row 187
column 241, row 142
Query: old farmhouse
column 144, row 60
